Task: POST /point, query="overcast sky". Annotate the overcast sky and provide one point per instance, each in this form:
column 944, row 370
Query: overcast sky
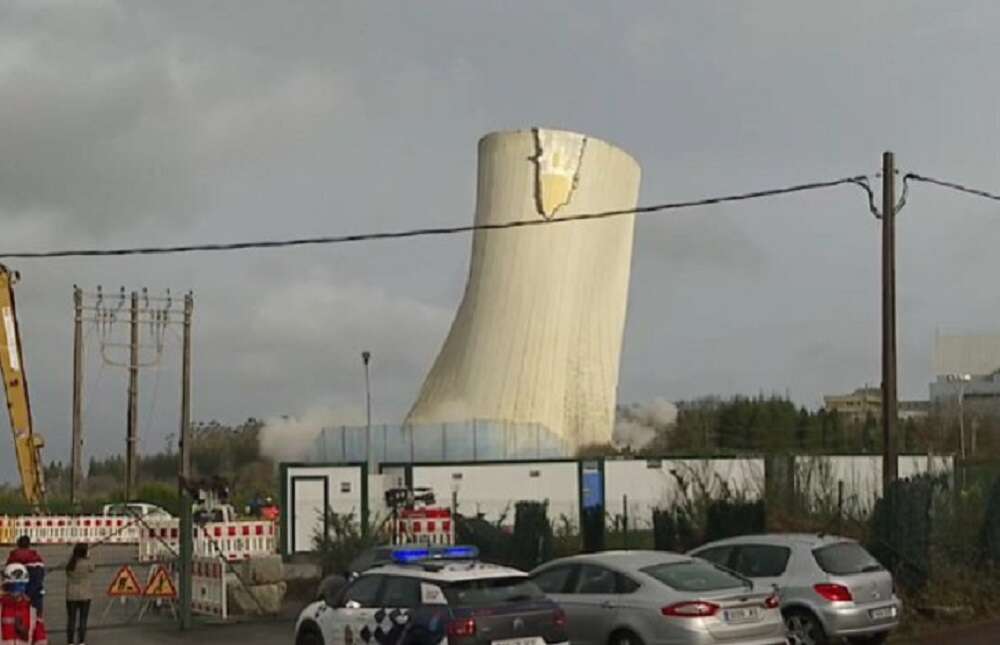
column 174, row 122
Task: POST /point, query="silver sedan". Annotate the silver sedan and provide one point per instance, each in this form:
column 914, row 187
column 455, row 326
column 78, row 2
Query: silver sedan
column 658, row 598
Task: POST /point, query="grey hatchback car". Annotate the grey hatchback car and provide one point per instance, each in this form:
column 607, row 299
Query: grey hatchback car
column 830, row 587
column 658, row 598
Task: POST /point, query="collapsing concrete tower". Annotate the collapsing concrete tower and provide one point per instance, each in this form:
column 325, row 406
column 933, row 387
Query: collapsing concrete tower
column 538, row 336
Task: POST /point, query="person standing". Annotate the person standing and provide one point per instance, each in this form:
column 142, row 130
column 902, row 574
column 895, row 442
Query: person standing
column 79, row 594
column 32, row 561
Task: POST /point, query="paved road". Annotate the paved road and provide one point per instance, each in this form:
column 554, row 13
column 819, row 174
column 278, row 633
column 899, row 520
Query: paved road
column 252, row 633
column 109, row 559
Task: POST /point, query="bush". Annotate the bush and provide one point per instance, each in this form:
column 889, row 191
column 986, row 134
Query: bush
column 901, row 530
column 340, row 543
column 990, row 532
column 493, row 543
column 673, row 530
column 729, row 518
column 532, row 542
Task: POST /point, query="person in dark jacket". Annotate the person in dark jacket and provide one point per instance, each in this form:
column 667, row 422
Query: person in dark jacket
column 31, row 559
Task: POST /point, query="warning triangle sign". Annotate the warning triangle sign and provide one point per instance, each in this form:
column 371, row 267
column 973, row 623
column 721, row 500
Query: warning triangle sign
column 124, row 584
column 160, row 585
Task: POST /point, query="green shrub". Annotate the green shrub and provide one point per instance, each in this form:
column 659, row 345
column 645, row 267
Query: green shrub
column 673, row 530
column 493, row 543
column 532, row 541
column 729, row 518
column 901, row 530
column 341, row 542
column 990, row 532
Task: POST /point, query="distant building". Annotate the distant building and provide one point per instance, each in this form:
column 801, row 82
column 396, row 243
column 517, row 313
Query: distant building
column 857, row 405
column 978, row 388
column 975, row 354
column 966, row 366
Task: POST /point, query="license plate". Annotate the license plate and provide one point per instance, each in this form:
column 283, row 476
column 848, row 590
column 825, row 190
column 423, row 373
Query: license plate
column 742, row 615
column 883, row 613
column 519, row 641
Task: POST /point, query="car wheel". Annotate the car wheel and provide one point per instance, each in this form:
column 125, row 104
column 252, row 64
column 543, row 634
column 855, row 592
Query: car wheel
column 804, row 629
column 624, row 637
column 309, row 637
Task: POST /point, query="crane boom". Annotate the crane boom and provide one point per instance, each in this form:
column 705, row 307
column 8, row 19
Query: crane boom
column 27, row 444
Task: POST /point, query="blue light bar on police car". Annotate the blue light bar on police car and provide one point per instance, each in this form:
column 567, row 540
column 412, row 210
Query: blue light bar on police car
column 464, row 552
column 410, row 554
column 405, row 555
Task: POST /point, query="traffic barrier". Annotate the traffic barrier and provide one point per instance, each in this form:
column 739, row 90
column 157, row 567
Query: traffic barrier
column 208, row 588
column 70, row 530
column 230, row 540
column 7, row 530
column 433, row 526
column 157, row 539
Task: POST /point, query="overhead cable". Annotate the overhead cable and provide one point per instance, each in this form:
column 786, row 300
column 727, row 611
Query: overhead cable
column 859, row 180
column 951, row 184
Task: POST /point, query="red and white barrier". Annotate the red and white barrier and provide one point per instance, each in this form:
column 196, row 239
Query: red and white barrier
column 208, row 588
column 433, row 526
column 229, row 540
column 69, row 530
column 157, row 539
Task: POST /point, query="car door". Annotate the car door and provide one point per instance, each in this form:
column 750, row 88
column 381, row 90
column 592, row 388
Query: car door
column 356, row 614
column 555, row 582
column 399, row 597
column 591, row 604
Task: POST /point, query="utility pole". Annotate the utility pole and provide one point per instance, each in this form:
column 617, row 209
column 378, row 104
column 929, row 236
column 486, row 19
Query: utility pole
column 366, row 358
column 889, row 391
column 185, row 429
column 76, row 447
column 184, row 464
column 132, row 428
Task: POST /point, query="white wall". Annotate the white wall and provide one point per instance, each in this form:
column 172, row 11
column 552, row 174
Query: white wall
column 493, row 488
column 653, row 483
column 303, row 509
column 818, row 477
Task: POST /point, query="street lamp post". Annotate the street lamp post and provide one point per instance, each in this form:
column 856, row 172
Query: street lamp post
column 366, row 358
column 961, row 379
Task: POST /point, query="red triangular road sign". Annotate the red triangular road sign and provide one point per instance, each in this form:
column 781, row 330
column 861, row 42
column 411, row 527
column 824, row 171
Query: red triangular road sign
column 160, row 585
column 124, row 584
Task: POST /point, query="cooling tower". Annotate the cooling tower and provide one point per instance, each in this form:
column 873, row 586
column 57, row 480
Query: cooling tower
column 538, row 335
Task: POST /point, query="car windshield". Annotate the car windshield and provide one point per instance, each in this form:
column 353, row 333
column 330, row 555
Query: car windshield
column 122, row 510
column 695, row 575
column 492, row 591
column 845, row 558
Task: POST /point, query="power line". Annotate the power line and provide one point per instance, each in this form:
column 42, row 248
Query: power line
column 950, row 184
column 858, row 180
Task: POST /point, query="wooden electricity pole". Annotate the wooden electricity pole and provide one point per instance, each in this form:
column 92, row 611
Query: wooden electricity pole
column 889, row 391
column 76, row 448
column 132, row 428
column 184, row 465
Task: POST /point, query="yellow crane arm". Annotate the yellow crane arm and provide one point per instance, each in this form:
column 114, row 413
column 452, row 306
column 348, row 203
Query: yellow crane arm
column 27, row 444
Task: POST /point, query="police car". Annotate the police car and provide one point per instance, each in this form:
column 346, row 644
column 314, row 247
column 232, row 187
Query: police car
column 432, row 596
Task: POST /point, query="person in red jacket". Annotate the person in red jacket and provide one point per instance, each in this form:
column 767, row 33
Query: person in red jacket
column 20, row 622
column 31, row 559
